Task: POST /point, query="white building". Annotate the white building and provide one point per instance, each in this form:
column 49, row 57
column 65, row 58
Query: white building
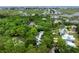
column 69, row 39
column 39, row 36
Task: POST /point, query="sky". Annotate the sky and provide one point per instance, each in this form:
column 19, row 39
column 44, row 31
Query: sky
column 39, row 3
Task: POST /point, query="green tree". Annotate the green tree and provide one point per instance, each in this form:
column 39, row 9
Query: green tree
column 31, row 49
column 19, row 46
column 42, row 48
column 8, row 45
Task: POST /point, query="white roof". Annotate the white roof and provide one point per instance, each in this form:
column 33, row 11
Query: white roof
column 39, row 36
column 70, row 44
column 68, row 37
column 71, row 37
column 65, row 36
column 62, row 30
column 32, row 23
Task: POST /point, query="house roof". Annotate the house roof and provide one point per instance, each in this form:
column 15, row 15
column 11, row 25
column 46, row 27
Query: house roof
column 70, row 44
column 68, row 37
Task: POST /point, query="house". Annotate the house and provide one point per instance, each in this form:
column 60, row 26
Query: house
column 69, row 39
column 39, row 36
column 31, row 23
column 62, row 31
column 70, row 44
